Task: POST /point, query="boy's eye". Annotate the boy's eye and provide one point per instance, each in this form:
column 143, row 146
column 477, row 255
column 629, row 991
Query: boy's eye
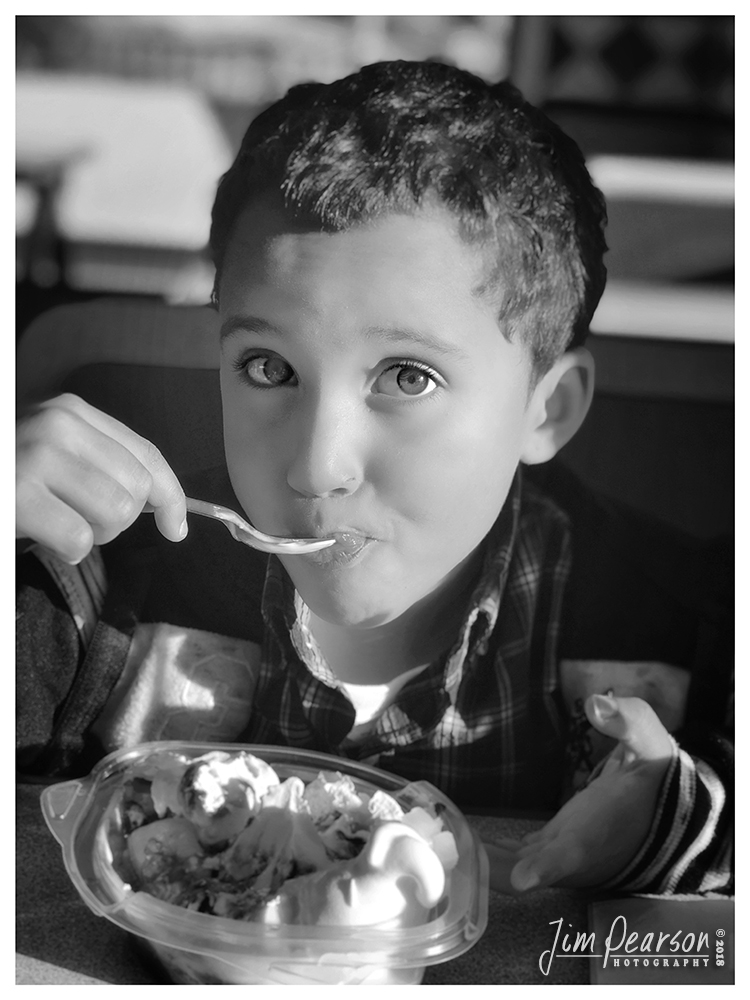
column 406, row 379
column 268, row 370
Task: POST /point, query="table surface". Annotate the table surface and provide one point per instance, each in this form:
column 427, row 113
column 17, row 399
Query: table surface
column 60, row 941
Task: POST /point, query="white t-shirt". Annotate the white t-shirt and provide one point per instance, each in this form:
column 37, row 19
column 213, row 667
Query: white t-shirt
column 370, row 700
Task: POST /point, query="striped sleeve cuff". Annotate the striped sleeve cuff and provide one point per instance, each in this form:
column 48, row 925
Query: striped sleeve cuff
column 682, row 852
column 83, row 586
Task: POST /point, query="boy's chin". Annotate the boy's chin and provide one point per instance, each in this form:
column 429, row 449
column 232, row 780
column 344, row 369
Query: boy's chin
column 346, row 611
column 373, row 592
column 347, row 605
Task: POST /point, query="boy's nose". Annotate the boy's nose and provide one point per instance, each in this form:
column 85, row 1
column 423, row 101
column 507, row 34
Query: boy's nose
column 327, row 460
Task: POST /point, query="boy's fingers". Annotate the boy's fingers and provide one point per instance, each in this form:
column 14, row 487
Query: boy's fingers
column 560, row 859
column 507, row 844
column 535, row 836
column 168, row 501
column 165, row 495
column 535, row 872
column 633, row 722
column 502, row 860
column 166, row 498
column 171, row 522
column 60, row 529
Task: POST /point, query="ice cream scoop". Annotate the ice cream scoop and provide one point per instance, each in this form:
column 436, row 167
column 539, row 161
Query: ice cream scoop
column 220, row 793
column 397, row 877
column 151, row 847
column 276, row 840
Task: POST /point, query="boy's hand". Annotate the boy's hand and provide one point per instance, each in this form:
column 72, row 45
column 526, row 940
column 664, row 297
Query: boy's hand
column 597, row 832
column 82, row 477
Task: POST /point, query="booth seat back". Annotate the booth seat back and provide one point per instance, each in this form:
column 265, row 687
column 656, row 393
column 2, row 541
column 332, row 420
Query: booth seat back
column 153, row 367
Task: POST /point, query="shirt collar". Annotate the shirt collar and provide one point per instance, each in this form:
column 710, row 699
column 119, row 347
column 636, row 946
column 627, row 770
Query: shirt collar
column 484, row 605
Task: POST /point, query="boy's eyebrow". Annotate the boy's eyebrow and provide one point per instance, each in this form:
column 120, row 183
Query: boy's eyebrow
column 248, row 324
column 399, row 334
column 253, row 324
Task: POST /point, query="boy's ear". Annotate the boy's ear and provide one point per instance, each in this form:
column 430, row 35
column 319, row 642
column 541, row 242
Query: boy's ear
column 558, row 406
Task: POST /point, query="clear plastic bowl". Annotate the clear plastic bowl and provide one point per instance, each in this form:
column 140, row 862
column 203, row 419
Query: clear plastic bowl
column 201, row 948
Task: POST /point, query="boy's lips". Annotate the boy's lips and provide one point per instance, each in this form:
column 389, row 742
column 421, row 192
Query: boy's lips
column 349, row 542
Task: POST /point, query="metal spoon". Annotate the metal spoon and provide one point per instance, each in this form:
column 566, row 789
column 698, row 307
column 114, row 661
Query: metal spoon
column 242, row 531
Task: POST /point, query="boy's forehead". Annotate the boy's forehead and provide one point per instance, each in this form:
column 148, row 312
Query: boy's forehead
column 267, row 237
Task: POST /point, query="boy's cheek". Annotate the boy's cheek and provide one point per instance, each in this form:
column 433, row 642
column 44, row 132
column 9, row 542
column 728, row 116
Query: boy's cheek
column 255, row 473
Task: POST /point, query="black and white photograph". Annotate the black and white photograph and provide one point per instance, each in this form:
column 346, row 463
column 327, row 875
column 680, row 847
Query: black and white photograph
column 375, row 478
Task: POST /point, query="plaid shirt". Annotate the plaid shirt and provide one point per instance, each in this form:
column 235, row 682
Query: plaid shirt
column 484, row 721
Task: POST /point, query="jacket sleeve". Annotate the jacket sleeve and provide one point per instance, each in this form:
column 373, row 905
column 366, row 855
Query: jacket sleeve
column 690, row 845
column 57, row 608
column 75, row 627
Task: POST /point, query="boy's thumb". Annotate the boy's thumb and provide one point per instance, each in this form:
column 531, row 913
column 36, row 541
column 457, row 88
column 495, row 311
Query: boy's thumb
column 170, row 520
column 633, row 722
column 172, row 526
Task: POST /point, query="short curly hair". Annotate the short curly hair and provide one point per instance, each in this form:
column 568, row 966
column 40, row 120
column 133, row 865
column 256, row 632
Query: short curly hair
column 394, row 137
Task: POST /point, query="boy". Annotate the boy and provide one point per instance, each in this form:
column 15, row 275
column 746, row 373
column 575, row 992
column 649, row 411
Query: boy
column 407, row 264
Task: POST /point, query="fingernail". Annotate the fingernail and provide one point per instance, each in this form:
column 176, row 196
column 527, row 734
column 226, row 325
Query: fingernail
column 605, row 705
column 183, row 529
column 529, row 880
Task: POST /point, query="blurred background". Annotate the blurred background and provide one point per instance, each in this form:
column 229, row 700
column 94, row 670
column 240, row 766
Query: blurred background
column 125, row 123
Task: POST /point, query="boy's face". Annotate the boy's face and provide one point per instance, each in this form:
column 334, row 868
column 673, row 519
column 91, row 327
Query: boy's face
column 367, row 391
